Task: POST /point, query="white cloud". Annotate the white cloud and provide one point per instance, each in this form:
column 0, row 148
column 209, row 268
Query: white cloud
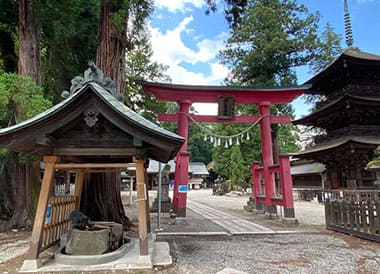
column 169, row 49
column 178, row 5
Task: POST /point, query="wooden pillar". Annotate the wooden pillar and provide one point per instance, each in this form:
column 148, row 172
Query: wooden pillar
column 256, row 186
column 79, row 179
column 141, row 206
column 147, row 212
column 182, row 162
column 39, row 220
column 267, row 155
column 287, row 186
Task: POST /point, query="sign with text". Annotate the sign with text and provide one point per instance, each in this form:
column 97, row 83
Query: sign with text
column 182, row 189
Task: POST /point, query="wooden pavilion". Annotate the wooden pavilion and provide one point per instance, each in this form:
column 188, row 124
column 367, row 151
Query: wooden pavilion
column 348, row 116
column 90, row 131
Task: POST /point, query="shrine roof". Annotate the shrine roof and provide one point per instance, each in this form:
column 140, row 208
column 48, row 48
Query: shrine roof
column 337, row 105
column 326, row 147
column 210, row 94
column 168, row 143
column 348, row 56
column 308, row 168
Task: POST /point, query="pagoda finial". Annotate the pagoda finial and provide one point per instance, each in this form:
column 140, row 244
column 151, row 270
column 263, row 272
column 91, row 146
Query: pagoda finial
column 347, row 26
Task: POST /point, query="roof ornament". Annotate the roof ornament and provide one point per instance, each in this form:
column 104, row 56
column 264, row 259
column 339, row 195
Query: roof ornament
column 347, row 26
column 92, row 74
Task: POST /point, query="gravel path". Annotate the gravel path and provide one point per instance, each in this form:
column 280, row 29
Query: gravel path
column 320, row 251
column 298, row 253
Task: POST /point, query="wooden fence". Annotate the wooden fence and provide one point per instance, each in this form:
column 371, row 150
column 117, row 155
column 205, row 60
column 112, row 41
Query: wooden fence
column 57, row 219
column 354, row 212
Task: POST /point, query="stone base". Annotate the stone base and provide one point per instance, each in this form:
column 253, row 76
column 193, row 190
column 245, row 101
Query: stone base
column 247, row 208
column 179, row 211
column 258, row 212
column 31, row 265
column 250, row 205
column 165, row 206
column 289, row 213
column 271, row 212
column 259, row 206
column 290, row 221
column 65, row 259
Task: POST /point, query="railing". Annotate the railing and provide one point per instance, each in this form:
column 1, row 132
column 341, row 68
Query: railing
column 57, row 219
column 354, row 212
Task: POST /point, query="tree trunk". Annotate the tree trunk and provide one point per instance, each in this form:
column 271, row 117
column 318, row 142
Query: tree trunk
column 112, row 43
column 29, row 49
column 101, row 199
column 24, row 179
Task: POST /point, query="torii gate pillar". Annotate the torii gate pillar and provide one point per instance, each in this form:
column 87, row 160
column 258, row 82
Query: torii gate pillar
column 182, row 162
column 267, row 155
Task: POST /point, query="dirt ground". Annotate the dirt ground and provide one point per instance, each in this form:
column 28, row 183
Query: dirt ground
column 316, row 251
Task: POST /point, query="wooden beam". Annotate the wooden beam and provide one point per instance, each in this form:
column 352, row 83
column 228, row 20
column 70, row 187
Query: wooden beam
column 93, row 165
column 79, row 179
column 141, row 206
column 95, row 151
column 241, row 119
column 39, row 221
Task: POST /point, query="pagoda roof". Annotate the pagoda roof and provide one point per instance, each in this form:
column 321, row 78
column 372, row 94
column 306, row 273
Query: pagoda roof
column 210, row 94
column 34, row 135
column 353, row 56
column 327, row 147
column 334, row 107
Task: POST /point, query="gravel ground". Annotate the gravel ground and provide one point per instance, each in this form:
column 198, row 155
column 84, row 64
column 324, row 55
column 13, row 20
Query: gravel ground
column 298, row 253
column 320, row 251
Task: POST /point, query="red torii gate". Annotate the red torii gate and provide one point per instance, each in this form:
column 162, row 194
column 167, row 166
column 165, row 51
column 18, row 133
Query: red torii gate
column 185, row 95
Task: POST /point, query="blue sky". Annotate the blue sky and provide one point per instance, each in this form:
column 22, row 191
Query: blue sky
column 187, row 40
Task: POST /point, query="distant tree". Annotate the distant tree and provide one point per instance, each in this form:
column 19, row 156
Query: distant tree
column 200, row 151
column 232, row 9
column 139, row 66
column 272, row 39
column 329, row 49
column 238, row 169
column 267, row 43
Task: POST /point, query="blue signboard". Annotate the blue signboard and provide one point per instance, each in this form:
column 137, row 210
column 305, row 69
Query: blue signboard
column 182, row 188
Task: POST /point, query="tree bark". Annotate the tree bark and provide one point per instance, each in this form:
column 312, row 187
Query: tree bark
column 112, row 43
column 24, row 179
column 101, row 199
column 29, row 49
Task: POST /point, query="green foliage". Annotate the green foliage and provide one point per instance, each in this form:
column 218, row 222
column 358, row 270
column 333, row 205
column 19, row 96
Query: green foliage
column 201, row 151
column 20, row 99
column 250, row 150
column 329, row 49
column 272, row 39
column 238, row 169
column 68, row 41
